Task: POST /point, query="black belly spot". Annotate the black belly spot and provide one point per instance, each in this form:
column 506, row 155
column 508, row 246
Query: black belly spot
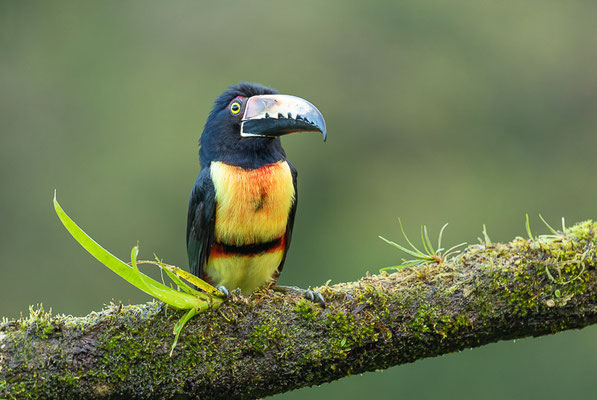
column 259, row 204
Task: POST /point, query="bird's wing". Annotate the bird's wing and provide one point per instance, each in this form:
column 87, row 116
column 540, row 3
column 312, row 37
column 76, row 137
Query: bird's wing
column 291, row 214
column 201, row 222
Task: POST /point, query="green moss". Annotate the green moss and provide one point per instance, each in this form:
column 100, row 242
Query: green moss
column 264, row 337
column 432, row 319
column 68, row 379
column 306, row 309
column 432, row 309
column 120, row 353
column 376, row 299
column 583, row 231
column 346, row 331
column 520, row 269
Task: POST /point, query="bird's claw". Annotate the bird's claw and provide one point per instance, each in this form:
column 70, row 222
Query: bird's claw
column 315, row 297
column 311, row 295
column 224, row 290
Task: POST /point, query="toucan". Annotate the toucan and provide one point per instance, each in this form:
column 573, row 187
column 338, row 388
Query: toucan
column 243, row 203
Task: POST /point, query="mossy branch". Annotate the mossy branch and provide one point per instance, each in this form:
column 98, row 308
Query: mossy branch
column 271, row 343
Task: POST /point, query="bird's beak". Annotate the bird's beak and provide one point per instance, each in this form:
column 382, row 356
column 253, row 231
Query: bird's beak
column 274, row 115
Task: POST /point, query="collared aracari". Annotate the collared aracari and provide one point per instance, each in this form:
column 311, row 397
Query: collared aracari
column 243, row 203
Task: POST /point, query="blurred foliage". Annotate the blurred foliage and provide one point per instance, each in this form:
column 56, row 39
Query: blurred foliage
column 467, row 112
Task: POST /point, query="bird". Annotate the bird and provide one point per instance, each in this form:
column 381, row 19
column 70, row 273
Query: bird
column 243, row 203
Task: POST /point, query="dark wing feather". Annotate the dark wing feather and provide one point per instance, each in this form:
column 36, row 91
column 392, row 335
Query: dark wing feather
column 291, row 214
column 201, row 222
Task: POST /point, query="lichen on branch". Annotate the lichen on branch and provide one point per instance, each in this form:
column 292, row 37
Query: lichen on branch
column 271, row 342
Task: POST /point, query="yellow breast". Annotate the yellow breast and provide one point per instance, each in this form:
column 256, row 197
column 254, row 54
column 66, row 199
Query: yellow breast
column 252, row 205
column 244, row 272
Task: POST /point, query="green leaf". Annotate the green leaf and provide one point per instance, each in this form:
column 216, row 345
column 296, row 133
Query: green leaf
column 527, row 225
column 556, row 233
column 424, row 228
column 404, row 249
column 406, row 237
column 177, row 280
column 200, row 283
column 132, row 275
column 549, row 275
column 486, row 236
column 193, row 301
column 180, row 324
column 439, row 238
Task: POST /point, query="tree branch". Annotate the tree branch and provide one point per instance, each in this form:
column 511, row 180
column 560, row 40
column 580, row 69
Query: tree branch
column 271, row 343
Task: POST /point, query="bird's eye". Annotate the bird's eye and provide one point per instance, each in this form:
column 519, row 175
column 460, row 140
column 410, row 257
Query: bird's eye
column 235, row 107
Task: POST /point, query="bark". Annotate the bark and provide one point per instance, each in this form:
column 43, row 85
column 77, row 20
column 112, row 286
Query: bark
column 271, row 342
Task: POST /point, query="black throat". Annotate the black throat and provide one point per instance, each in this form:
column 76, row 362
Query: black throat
column 248, row 153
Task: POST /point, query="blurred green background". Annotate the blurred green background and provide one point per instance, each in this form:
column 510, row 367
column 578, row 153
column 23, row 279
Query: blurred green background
column 464, row 112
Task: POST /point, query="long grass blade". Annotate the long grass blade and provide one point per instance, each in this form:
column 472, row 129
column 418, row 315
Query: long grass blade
column 527, row 225
column 180, row 324
column 136, row 278
column 404, row 249
column 406, row 238
column 549, row 226
column 439, row 237
column 200, row 283
column 451, row 249
column 429, row 246
column 406, row 264
column 486, row 236
column 177, row 280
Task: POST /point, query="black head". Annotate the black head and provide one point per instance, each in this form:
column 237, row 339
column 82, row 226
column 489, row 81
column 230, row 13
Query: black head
column 246, row 123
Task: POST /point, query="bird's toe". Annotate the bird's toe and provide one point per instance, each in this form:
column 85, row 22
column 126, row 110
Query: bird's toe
column 315, row 297
column 224, row 290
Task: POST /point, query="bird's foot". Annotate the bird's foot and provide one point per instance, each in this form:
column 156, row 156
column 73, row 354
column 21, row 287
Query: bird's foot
column 315, row 296
column 229, row 294
column 224, row 290
column 311, row 295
